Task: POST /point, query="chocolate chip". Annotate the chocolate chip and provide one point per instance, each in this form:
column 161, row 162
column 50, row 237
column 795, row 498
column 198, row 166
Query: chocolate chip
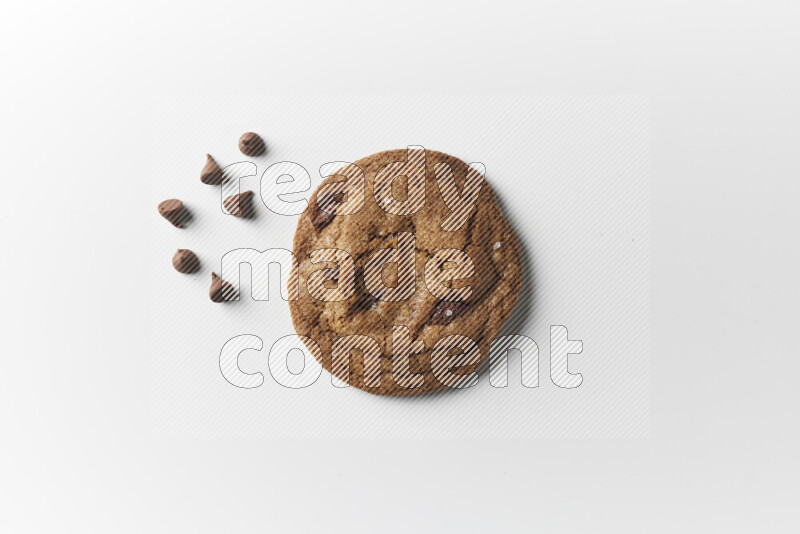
column 211, row 173
column 322, row 219
column 185, row 261
column 239, row 205
column 445, row 312
column 173, row 211
column 365, row 302
column 327, row 201
column 220, row 289
column 251, row 144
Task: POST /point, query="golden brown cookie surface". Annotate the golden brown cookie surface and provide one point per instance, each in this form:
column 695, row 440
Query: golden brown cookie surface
column 484, row 236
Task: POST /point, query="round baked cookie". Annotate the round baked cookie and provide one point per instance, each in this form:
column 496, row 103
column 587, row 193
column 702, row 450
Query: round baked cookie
column 485, row 236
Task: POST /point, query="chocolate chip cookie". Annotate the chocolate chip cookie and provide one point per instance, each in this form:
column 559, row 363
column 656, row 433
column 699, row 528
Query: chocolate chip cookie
column 406, row 275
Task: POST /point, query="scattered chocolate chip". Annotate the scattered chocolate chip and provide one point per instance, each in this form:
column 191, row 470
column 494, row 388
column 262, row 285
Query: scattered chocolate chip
column 220, row 289
column 185, row 261
column 211, row 173
column 327, row 201
column 445, row 312
column 173, row 211
column 240, row 204
column 251, row 144
column 332, row 274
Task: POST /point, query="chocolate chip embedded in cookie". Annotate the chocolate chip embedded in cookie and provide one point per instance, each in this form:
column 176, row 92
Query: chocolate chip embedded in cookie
column 421, row 202
column 323, row 212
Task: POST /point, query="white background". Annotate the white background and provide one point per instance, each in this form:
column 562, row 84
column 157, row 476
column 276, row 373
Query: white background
column 571, row 173
column 78, row 455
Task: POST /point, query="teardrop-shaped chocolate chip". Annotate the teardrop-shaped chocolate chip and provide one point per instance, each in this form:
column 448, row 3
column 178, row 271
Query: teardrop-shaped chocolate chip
column 220, row 289
column 173, row 211
column 239, row 205
column 211, row 173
